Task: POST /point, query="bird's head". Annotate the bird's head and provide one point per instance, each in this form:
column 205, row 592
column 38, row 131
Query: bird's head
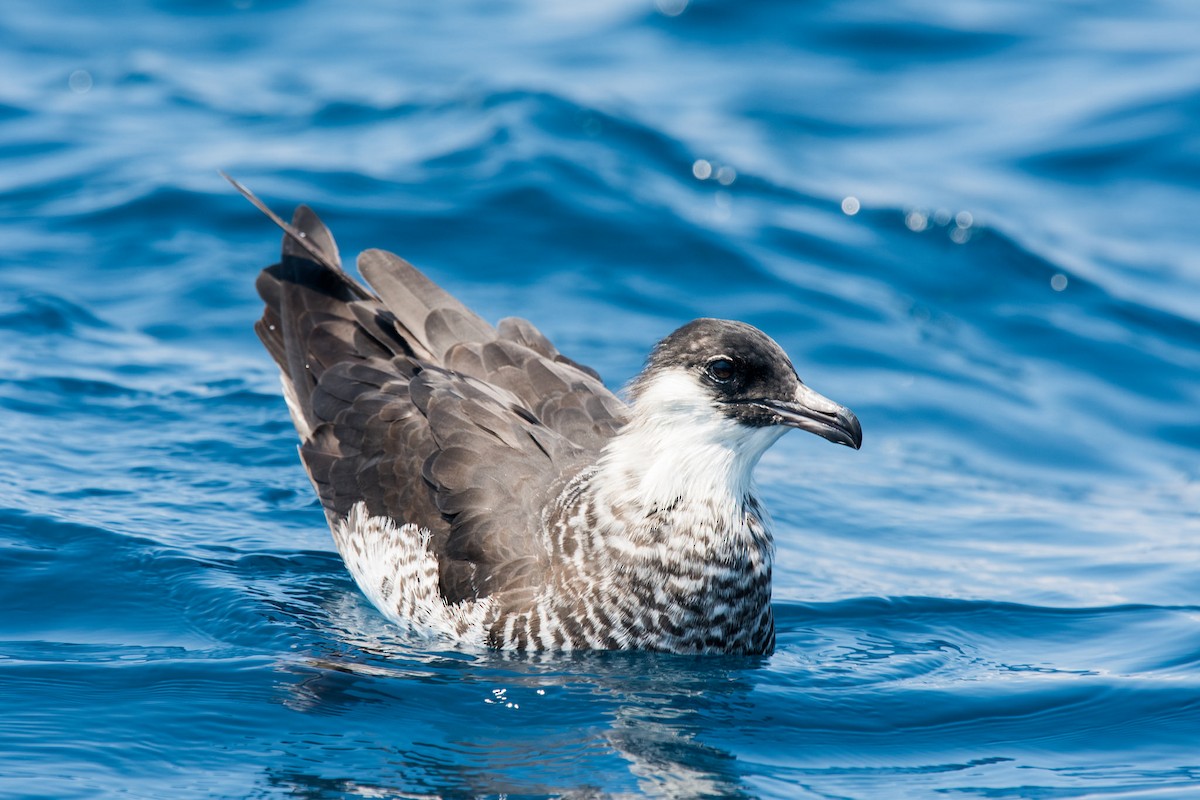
column 737, row 372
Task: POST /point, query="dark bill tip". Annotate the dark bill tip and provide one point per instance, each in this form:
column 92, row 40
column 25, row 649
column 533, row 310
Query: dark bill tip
column 812, row 412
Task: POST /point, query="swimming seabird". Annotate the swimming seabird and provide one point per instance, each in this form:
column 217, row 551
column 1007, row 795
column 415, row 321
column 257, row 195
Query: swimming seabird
column 481, row 485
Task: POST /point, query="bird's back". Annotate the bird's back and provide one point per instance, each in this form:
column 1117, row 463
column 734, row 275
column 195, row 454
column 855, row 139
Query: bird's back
column 414, row 411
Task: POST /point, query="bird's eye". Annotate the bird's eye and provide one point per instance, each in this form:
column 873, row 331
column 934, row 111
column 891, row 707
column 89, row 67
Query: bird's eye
column 721, row 370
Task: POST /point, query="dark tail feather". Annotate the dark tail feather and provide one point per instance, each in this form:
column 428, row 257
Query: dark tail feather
column 306, row 236
column 428, row 318
column 307, row 294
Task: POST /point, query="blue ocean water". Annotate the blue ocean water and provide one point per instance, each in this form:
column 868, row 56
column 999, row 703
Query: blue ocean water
column 973, row 223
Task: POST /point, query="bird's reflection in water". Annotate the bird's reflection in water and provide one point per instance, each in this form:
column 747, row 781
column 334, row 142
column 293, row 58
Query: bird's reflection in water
column 398, row 717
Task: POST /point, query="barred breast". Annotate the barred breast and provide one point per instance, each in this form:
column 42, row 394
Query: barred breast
column 684, row 578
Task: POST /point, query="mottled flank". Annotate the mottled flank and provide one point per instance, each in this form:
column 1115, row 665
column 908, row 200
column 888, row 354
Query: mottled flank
column 484, row 487
column 396, row 571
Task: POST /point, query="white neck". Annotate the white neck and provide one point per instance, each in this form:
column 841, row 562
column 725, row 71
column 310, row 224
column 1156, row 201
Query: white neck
column 678, row 448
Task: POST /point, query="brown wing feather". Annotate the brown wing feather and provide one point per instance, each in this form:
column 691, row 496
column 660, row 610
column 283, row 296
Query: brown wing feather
column 425, row 413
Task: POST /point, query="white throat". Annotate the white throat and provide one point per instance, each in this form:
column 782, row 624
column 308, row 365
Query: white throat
column 677, row 446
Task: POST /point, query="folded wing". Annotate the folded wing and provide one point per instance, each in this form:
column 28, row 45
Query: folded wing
column 410, row 403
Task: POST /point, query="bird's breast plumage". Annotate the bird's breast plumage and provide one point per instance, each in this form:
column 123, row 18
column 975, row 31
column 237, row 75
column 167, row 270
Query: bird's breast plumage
column 687, row 577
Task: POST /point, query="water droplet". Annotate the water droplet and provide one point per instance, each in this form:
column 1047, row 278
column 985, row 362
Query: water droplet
column 916, row 221
column 726, row 176
column 80, row 81
column 963, row 219
column 702, row 169
column 1058, row 282
column 850, row 206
